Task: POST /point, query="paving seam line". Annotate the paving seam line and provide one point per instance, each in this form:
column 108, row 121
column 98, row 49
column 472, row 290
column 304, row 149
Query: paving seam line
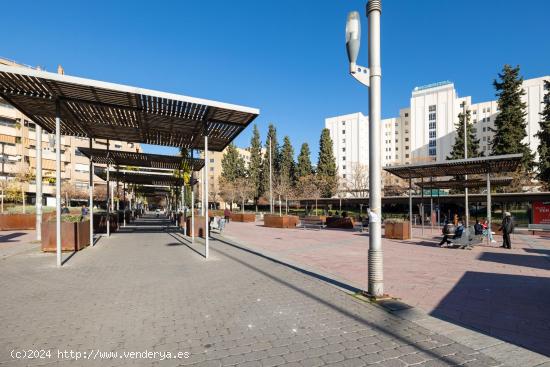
column 524, row 357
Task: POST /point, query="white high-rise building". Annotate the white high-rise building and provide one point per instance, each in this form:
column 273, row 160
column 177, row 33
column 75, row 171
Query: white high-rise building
column 426, row 130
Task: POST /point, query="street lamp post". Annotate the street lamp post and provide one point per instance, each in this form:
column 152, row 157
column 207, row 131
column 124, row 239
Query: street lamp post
column 371, row 77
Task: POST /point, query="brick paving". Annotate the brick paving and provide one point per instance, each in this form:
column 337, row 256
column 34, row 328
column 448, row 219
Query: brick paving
column 502, row 293
column 148, row 289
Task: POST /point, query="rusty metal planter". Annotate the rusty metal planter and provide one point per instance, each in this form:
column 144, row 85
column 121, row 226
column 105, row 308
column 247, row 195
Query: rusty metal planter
column 243, row 217
column 11, row 222
column 397, row 230
column 76, row 236
column 283, row 221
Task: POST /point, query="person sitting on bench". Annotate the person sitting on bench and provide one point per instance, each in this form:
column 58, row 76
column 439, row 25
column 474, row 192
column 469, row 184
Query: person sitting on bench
column 478, row 228
column 448, row 230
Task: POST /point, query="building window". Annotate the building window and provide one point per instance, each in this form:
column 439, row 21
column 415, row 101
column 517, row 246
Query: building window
column 344, row 158
column 343, row 123
column 431, row 108
column 344, row 175
column 397, row 140
column 7, row 122
column 431, row 117
column 484, row 129
column 344, row 150
column 343, row 131
column 343, row 141
column 406, row 156
column 432, row 152
column 211, row 160
column 406, row 147
column 79, row 167
column 406, row 114
column 432, row 134
column 118, row 146
column 406, row 139
column 211, row 169
column 78, row 153
column 432, row 125
column 432, row 143
column 344, row 166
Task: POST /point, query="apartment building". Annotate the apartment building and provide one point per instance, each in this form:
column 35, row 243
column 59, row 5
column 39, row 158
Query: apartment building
column 425, row 131
column 18, row 142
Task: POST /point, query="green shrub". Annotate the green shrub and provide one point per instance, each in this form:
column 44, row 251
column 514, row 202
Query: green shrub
column 69, row 218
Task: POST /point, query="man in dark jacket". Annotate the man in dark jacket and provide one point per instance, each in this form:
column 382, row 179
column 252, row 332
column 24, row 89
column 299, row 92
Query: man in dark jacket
column 507, row 227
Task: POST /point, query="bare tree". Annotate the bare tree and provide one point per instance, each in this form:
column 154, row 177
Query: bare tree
column 309, row 187
column 23, row 176
column 228, row 191
column 394, row 185
column 358, row 183
column 244, row 190
column 213, row 191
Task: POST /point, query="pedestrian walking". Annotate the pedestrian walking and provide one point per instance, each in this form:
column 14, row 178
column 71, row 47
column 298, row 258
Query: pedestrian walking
column 507, row 227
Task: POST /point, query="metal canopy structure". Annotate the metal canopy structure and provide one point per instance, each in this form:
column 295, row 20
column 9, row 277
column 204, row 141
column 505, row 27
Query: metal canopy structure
column 121, row 158
column 459, row 167
column 95, row 109
column 454, row 184
column 139, row 178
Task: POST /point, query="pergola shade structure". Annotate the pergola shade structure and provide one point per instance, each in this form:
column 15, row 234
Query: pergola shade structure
column 89, row 108
column 157, row 161
column 460, row 167
column 101, row 110
column 139, row 178
column 471, row 183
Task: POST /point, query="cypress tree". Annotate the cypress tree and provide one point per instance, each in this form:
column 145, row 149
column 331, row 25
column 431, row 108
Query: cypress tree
column 510, row 123
column 457, row 152
column 264, row 181
column 304, row 167
column 232, row 164
column 326, row 165
column 543, row 165
column 287, row 165
column 255, row 165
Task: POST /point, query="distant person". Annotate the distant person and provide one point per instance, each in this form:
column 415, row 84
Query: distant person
column 507, row 227
column 448, row 230
column 227, row 214
column 478, row 228
column 84, row 210
column 486, row 232
column 64, row 209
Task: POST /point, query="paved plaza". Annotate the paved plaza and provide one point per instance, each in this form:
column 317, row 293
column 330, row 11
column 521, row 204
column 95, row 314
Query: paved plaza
column 502, row 293
column 148, row 289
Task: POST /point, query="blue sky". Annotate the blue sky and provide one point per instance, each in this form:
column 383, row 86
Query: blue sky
column 285, row 57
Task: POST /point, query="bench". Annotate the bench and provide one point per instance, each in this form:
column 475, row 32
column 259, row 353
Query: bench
column 467, row 240
column 312, row 223
column 538, row 227
column 360, row 226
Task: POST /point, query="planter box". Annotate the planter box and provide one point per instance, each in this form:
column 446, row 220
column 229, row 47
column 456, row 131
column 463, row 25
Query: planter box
column 397, row 231
column 339, row 222
column 75, row 236
column 316, row 218
column 199, row 229
column 12, row 222
column 243, row 217
column 100, row 223
column 284, row 221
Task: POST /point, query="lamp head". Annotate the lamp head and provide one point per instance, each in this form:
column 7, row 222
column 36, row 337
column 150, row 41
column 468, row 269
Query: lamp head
column 353, row 36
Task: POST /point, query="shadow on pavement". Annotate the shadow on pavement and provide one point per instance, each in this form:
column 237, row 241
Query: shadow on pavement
column 11, row 236
column 530, row 261
column 513, row 308
column 395, row 334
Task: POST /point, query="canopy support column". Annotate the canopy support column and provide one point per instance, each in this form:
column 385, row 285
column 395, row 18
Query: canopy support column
column 432, row 216
column 124, row 200
column 422, row 206
column 38, row 180
column 91, row 188
column 206, row 229
column 192, row 214
column 410, row 208
column 108, row 194
column 489, row 229
column 58, row 181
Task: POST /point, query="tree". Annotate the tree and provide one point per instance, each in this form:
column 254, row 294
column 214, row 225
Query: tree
column 358, row 182
column 308, row 187
column 510, row 123
column 264, row 181
column 233, row 165
column 304, row 167
column 255, row 165
column 243, row 191
column 457, row 152
column 543, row 165
column 287, row 166
column 228, row 191
column 326, row 166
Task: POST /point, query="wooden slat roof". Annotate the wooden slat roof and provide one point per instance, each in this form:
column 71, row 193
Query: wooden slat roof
column 101, row 110
column 470, row 183
column 122, row 158
column 459, row 167
column 137, row 177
